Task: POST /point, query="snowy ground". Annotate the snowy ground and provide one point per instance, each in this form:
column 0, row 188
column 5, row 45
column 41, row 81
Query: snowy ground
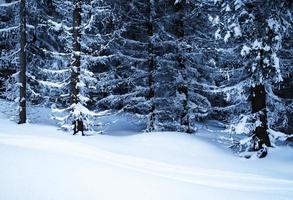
column 38, row 162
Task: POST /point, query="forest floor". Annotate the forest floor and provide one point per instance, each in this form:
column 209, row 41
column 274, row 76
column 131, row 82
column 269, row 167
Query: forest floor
column 40, row 162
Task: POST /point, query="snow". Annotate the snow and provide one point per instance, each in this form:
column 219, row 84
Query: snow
column 227, row 36
column 276, row 64
column 273, row 24
column 267, row 48
column 245, row 50
column 40, row 162
column 278, row 135
column 257, row 44
column 238, row 4
column 57, row 26
column 9, row 4
column 177, row 2
column 214, row 20
column 51, row 84
column 237, row 31
column 217, row 34
column 9, row 29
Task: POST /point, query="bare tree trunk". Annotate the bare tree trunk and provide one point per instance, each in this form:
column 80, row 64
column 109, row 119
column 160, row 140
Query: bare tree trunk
column 151, row 67
column 258, row 103
column 183, row 88
column 22, row 62
column 50, row 7
column 75, row 69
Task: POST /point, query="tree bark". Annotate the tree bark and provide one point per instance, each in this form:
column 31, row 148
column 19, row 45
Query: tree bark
column 258, row 104
column 50, row 7
column 183, row 88
column 22, row 62
column 75, row 69
column 151, row 66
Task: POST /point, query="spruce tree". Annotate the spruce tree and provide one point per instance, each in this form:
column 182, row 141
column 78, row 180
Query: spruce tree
column 258, row 37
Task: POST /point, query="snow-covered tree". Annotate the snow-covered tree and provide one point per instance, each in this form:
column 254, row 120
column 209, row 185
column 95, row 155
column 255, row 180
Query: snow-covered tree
column 9, row 42
column 178, row 102
column 68, row 79
column 154, row 69
column 17, row 30
column 257, row 38
column 21, row 39
column 193, row 40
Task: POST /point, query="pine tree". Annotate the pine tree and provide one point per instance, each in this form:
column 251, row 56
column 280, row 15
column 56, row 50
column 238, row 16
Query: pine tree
column 23, row 40
column 183, row 87
column 152, row 55
column 258, row 38
column 128, row 82
column 70, row 83
column 9, row 48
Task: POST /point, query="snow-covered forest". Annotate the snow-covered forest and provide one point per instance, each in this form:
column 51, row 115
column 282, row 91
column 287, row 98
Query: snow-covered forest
column 163, row 73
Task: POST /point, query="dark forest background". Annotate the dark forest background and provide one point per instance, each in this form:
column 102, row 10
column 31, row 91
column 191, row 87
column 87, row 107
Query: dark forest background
column 171, row 63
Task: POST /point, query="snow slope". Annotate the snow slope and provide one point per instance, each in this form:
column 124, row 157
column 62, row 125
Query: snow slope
column 38, row 162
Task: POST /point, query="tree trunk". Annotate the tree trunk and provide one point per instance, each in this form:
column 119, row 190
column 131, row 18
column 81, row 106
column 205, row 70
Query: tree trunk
column 151, row 66
column 50, row 7
column 22, row 62
column 258, row 104
column 75, row 69
column 183, row 88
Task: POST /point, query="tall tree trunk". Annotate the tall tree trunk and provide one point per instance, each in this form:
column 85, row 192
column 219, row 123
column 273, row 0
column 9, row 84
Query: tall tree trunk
column 151, row 67
column 50, row 5
column 75, row 69
column 22, row 62
column 183, row 88
column 258, row 105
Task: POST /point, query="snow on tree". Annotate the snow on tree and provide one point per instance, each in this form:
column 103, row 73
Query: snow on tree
column 168, row 62
column 9, row 49
column 125, row 83
column 257, row 38
column 68, row 78
column 191, row 58
column 149, row 76
column 17, row 37
column 176, row 103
